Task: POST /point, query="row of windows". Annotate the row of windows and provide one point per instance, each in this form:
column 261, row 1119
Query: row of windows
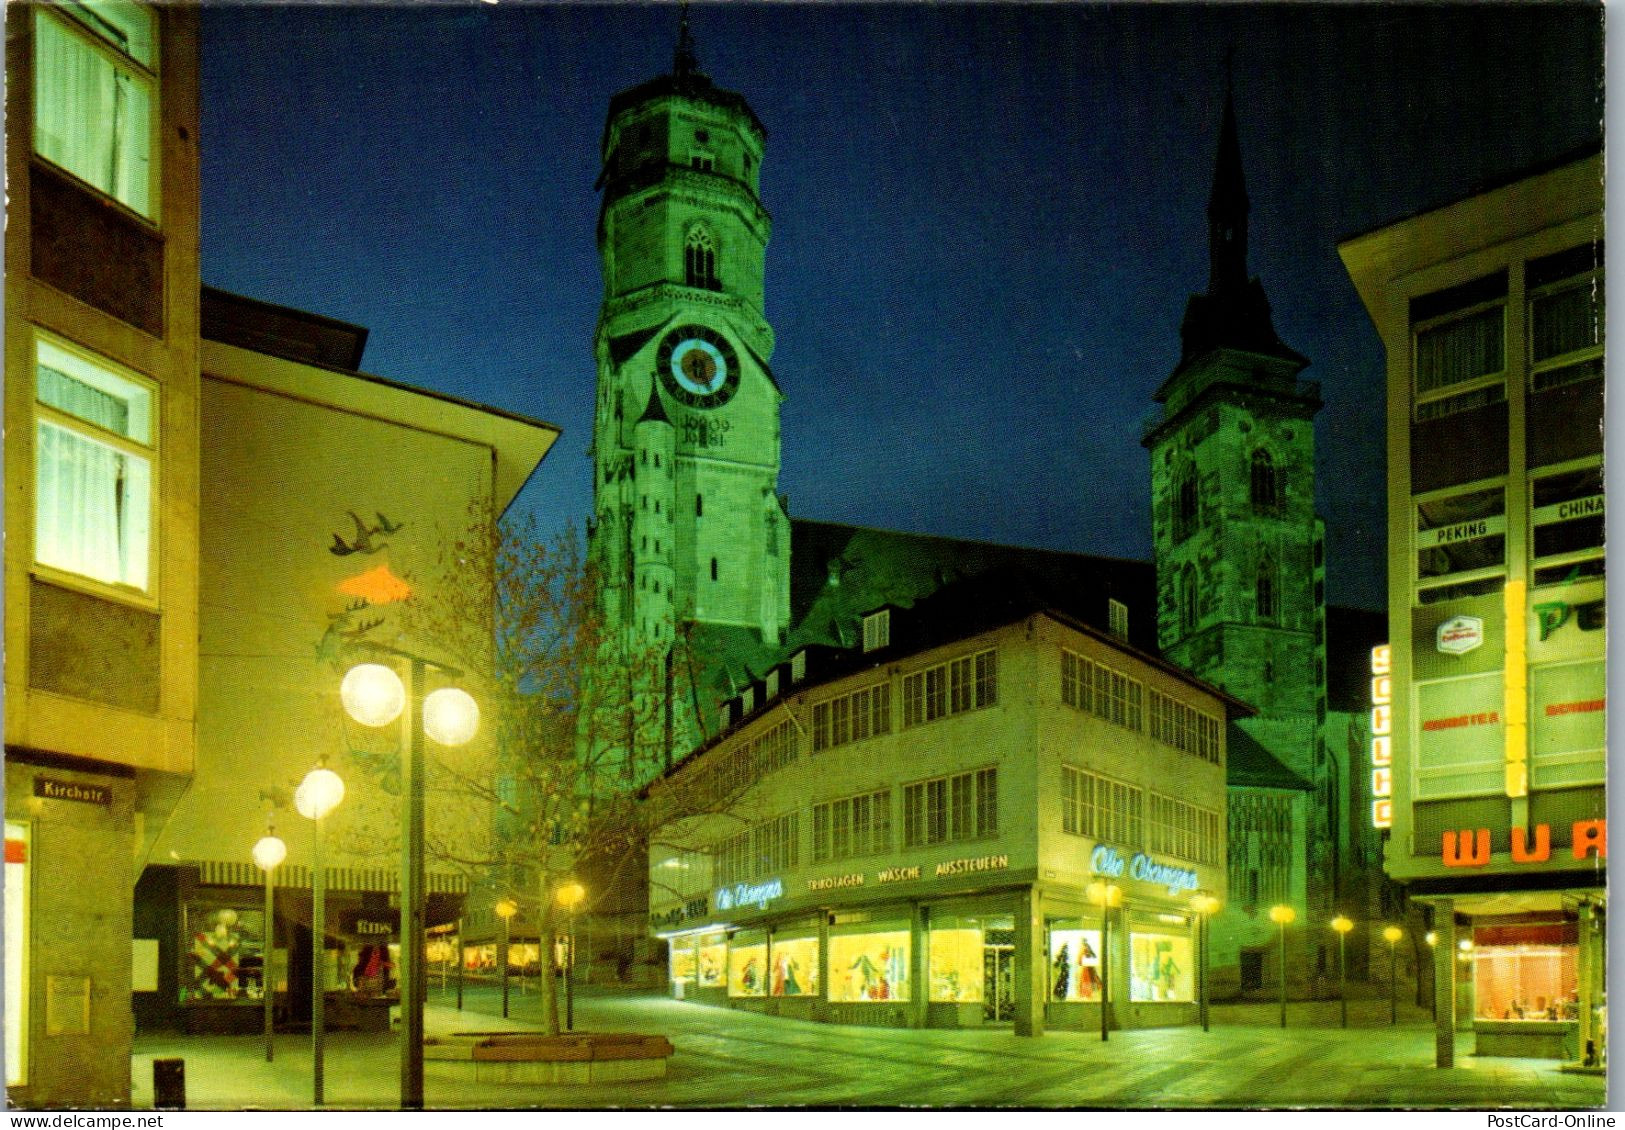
column 1461, row 537
column 854, row 826
column 971, row 683
column 1183, row 830
column 1266, row 493
column 1460, row 357
column 852, row 717
column 1184, row 727
column 1100, row 690
column 768, row 752
column 1103, row 808
column 964, row 806
column 769, row 848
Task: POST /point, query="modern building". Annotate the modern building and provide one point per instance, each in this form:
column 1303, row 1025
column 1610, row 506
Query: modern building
column 102, row 462
column 1488, row 758
column 983, row 811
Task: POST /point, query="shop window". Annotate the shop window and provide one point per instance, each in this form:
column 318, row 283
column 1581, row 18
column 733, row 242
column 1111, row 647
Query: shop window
column 1100, row 808
column 95, row 440
column 1568, row 520
column 1525, row 971
column 1161, row 967
column 94, row 109
column 1460, row 361
column 711, row 961
column 871, row 965
column 747, row 964
column 1566, row 331
column 794, row 965
column 225, row 953
column 19, row 910
column 1074, row 961
column 1460, row 544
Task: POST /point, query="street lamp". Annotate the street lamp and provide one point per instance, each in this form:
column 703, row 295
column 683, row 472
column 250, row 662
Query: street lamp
column 1107, row 895
column 1205, row 906
column 269, row 853
column 1342, row 925
column 1392, row 934
column 317, row 795
column 1432, row 939
column 569, row 896
column 505, row 909
column 373, row 695
column 1283, row 915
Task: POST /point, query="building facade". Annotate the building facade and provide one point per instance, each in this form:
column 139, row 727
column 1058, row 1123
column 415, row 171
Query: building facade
column 918, row 831
column 1488, row 761
column 101, row 548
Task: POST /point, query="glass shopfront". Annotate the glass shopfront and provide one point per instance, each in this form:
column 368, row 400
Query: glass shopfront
column 1161, row 964
column 795, row 966
column 17, row 912
column 1074, row 961
column 869, row 962
column 226, row 952
column 1526, row 971
column 711, row 960
column 684, row 956
column 973, row 962
column 747, row 964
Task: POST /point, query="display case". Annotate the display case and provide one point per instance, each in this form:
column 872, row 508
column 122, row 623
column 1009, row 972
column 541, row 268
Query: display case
column 795, row 967
column 1074, row 961
column 870, row 963
column 1161, row 966
column 747, row 964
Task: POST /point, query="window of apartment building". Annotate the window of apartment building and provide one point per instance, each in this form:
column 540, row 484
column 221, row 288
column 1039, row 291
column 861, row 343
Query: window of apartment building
column 1117, row 618
column 798, row 666
column 853, row 826
column 94, row 96
column 775, row 844
column 1100, row 807
column 1460, row 543
column 877, row 630
column 1183, row 830
column 93, row 460
column 852, row 717
column 1566, row 322
column 971, row 683
column 1184, row 727
column 1568, row 522
column 964, row 806
column 1460, row 347
column 1100, row 690
column 772, row 683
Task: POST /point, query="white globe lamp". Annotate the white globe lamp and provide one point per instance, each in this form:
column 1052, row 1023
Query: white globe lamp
column 451, row 716
column 372, row 694
column 269, row 853
column 319, row 793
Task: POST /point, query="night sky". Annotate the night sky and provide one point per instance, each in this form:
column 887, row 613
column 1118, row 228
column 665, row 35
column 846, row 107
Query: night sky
column 987, row 219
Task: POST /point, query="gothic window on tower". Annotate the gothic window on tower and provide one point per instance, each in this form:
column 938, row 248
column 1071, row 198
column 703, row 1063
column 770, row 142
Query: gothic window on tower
column 1187, row 510
column 699, row 506
column 1264, row 591
column 1266, row 483
column 1187, row 600
column 713, row 568
column 700, row 261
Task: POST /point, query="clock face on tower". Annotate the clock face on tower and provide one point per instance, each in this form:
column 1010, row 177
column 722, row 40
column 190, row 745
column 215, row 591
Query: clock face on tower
column 698, row 367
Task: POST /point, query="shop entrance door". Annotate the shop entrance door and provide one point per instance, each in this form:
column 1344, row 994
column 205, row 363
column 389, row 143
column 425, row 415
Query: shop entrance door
column 998, row 975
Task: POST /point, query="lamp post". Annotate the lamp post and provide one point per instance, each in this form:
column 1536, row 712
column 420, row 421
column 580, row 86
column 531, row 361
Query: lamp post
column 569, row 895
column 1342, row 925
column 374, row 696
column 269, row 853
column 1392, row 934
column 1283, row 916
column 505, row 909
column 1105, row 894
column 1432, row 939
column 1205, row 906
column 317, row 795
column 462, row 961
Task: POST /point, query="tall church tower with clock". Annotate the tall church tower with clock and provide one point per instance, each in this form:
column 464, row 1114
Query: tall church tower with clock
column 688, row 524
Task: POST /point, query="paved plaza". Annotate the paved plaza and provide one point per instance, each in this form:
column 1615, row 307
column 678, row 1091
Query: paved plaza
column 726, row 1058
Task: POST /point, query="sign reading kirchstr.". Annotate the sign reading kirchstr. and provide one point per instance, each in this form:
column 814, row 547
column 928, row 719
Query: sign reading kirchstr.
column 52, row 789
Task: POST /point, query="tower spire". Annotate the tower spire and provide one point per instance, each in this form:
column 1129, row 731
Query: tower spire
column 1227, row 206
column 685, row 61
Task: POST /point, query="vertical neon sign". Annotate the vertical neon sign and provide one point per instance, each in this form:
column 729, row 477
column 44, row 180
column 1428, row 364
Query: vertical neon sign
column 1382, row 737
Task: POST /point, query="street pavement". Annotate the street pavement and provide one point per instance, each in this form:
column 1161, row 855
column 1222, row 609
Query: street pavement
column 730, row 1059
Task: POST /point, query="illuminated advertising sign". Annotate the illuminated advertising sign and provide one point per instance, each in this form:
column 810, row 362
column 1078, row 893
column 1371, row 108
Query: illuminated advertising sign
column 748, row 894
column 1382, row 737
column 1105, row 860
column 1459, row 635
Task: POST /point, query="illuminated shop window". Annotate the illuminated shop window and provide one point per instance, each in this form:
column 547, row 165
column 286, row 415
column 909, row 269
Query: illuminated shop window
column 1460, row 544
column 747, row 964
column 853, row 826
column 683, row 959
column 94, row 109
column 957, row 972
column 1074, row 961
column 1568, row 519
column 225, row 953
column 19, row 909
column 1525, row 971
column 1161, row 966
column 870, row 963
column 711, row 961
column 1461, row 361
column 852, row 717
column 793, row 966
column 93, row 496
column 1566, row 321
column 1100, row 807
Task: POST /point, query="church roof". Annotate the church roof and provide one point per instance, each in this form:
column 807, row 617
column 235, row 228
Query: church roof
column 1249, row 765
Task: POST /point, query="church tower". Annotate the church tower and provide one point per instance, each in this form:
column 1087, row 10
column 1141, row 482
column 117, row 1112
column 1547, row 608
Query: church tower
column 688, row 525
column 1240, row 568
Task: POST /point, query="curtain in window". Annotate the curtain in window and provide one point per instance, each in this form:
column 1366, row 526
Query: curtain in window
column 1459, row 351
column 91, row 117
column 91, row 507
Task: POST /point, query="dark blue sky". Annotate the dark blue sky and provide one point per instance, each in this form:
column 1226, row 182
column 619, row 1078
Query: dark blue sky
column 987, row 219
